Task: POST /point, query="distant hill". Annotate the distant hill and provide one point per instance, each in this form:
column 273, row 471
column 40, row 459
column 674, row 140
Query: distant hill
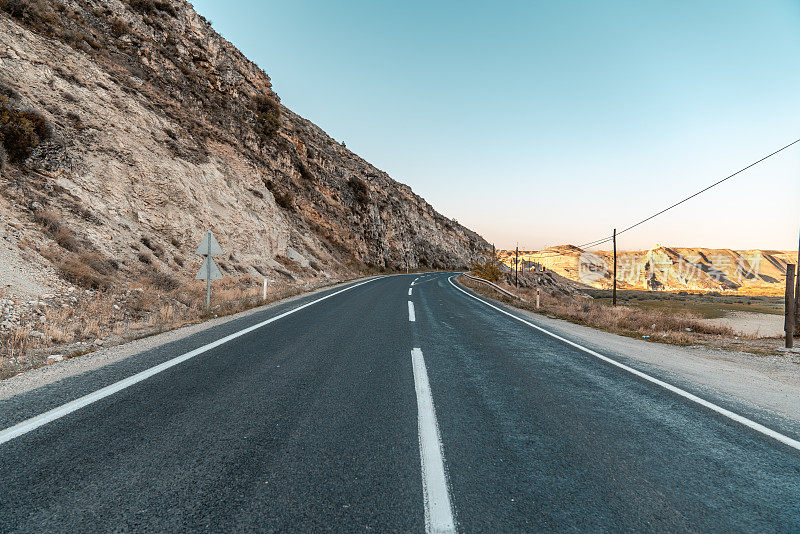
column 666, row 268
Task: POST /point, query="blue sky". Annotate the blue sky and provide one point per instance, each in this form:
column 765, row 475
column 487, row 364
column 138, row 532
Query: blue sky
column 543, row 123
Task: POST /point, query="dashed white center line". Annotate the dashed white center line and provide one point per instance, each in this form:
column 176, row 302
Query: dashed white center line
column 409, row 291
column 411, row 316
column 438, row 512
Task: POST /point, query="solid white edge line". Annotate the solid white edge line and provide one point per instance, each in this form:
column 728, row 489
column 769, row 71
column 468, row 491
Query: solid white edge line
column 786, row 440
column 411, row 316
column 435, row 493
column 81, row 402
column 409, row 291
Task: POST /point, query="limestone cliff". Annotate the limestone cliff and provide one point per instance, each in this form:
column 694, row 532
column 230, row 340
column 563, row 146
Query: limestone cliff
column 158, row 129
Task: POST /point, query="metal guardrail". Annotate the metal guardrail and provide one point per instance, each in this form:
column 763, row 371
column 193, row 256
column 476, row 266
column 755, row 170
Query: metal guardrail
column 494, row 286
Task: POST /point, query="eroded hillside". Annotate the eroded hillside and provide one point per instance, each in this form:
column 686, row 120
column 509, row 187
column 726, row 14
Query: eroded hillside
column 156, row 129
column 667, row 268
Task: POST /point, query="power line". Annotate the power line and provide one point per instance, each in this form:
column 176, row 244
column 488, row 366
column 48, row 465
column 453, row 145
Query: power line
column 603, row 240
column 597, row 242
column 710, row 186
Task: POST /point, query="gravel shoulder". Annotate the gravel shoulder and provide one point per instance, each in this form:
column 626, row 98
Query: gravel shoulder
column 49, row 374
column 752, row 324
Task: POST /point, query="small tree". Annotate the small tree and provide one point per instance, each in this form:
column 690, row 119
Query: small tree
column 488, row 266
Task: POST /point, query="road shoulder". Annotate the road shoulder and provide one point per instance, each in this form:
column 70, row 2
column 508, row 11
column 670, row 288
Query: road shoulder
column 768, row 384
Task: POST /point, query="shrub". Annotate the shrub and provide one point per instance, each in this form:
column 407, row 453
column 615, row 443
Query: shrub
column 360, row 190
column 163, row 281
column 268, row 117
column 82, row 274
column 284, row 199
column 157, row 249
column 21, row 131
column 51, row 222
column 66, row 239
column 151, row 6
column 145, row 258
column 33, row 12
column 99, row 263
column 488, row 266
column 119, row 28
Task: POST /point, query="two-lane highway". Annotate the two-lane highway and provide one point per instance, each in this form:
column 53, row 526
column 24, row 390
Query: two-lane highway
column 399, row 404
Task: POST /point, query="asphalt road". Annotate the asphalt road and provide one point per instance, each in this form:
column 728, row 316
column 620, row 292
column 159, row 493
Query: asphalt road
column 328, row 419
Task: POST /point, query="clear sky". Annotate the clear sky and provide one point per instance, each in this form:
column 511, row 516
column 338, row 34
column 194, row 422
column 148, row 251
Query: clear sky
column 549, row 122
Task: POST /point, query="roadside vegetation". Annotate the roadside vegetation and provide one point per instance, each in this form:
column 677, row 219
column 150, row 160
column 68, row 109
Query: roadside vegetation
column 488, row 266
column 20, row 131
column 706, row 305
column 661, row 325
column 88, row 320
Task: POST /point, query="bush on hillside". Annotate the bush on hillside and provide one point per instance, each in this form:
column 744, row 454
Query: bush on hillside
column 284, row 199
column 37, row 13
column 81, row 271
column 268, row 117
column 360, row 190
column 21, row 131
column 151, row 6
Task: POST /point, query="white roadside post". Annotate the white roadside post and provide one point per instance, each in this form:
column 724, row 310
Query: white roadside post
column 209, row 270
column 264, row 298
column 538, row 292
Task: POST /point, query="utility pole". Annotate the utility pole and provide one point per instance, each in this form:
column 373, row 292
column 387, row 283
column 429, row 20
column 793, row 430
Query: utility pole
column 516, row 267
column 614, row 290
column 790, row 311
column 797, row 296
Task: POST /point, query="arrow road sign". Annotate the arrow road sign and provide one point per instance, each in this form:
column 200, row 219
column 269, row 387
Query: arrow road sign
column 209, row 245
column 207, row 272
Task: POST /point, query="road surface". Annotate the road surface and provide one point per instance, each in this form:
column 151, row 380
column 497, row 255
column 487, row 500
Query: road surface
column 385, row 406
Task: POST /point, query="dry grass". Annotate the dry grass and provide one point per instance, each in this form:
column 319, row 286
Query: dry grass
column 680, row 328
column 150, row 305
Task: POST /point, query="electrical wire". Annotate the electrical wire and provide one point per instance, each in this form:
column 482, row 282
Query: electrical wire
column 603, row 240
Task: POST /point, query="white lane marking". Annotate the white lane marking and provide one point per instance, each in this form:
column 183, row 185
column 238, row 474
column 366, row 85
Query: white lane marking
column 411, row 316
column 409, row 291
column 795, row 444
column 438, row 512
column 65, row 409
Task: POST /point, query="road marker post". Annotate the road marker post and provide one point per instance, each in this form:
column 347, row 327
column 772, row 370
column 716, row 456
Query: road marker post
column 788, row 325
column 209, row 270
column 538, row 292
column 797, row 296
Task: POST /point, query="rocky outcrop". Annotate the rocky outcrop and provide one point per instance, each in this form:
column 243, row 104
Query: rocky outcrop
column 666, row 268
column 161, row 129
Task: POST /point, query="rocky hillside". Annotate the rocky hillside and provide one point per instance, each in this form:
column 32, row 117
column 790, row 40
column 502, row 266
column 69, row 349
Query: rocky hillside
column 667, row 268
column 130, row 127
